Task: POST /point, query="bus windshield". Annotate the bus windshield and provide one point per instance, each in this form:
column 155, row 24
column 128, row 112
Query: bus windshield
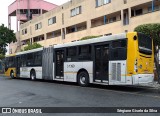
column 6, row 64
column 145, row 44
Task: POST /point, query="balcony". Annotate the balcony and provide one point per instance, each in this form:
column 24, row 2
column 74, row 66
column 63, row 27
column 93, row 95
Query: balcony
column 75, row 36
column 145, row 19
column 108, row 28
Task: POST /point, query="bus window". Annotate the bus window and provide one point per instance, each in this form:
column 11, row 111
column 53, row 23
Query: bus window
column 11, row 62
column 38, row 59
column 119, row 50
column 71, row 54
column 6, row 64
column 30, row 59
column 145, row 44
column 23, row 60
column 119, row 43
column 84, row 52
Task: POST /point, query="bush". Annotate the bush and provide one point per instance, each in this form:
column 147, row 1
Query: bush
column 89, row 37
column 32, row 46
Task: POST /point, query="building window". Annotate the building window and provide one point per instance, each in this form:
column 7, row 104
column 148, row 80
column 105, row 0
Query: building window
column 38, row 38
column 51, row 20
column 38, row 26
column 76, row 11
column 107, row 1
column 139, row 12
column 155, row 8
column 125, row 1
column 111, row 20
column 102, row 2
column 25, row 42
column 24, row 31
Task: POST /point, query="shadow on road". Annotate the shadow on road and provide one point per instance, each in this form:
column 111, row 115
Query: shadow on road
column 95, row 86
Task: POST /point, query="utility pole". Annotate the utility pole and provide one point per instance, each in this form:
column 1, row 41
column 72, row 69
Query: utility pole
column 28, row 10
column 152, row 5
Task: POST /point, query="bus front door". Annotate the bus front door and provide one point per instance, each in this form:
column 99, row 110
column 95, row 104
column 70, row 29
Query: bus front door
column 59, row 64
column 101, row 63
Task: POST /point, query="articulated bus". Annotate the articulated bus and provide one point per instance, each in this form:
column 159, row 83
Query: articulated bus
column 122, row 59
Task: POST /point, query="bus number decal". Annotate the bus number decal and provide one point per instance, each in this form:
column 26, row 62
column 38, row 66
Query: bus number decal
column 24, row 69
column 70, row 66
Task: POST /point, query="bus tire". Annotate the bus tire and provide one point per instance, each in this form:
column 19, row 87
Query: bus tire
column 83, row 79
column 12, row 74
column 33, row 75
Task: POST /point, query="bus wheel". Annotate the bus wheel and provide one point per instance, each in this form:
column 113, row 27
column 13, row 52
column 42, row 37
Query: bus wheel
column 33, row 75
column 12, row 75
column 83, row 79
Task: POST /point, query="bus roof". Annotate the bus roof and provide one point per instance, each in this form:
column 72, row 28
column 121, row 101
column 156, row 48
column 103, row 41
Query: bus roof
column 30, row 51
column 10, row 55
column 95, row 40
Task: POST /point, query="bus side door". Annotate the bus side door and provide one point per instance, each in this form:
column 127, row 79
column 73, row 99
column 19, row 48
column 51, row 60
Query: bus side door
column 59, row 64
column 101, row 62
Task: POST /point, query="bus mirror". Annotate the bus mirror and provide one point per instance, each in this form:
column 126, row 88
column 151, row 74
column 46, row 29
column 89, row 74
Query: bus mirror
column 135, row 38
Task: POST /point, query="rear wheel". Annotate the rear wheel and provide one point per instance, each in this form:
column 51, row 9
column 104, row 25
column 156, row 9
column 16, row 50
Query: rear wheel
column 12, row 74
column 33, row 75
column 83, row 79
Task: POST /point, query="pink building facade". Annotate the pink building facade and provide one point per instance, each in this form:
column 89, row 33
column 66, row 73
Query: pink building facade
column 25, row 10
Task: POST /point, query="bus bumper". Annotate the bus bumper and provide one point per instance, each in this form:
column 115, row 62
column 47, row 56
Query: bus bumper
column 142, row 79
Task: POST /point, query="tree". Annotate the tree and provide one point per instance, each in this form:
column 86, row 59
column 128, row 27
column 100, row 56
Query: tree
column 32, row 46
column 6, row 37
column 153, row 30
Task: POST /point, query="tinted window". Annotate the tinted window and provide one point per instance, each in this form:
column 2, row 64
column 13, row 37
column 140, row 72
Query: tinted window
column 23, row 60
column 84, row 52
column 30, row 59
column 71, row 53
column 145, row 44
column 11, row 62
column 119, row 43
column 119, row 50
column 38, row 59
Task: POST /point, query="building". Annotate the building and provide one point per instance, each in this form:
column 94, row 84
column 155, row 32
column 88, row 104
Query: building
column 79, row 18
column 25, row 10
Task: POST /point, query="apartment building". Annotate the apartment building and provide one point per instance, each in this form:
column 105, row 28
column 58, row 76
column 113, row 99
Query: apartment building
column 79, row 18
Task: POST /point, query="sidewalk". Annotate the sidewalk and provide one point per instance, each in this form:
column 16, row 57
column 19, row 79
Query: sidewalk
column 155, row 85
column 1, row 74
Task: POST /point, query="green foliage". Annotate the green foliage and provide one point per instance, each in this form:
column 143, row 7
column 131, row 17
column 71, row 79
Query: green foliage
column 32, row 46
column 89, row 37
column 2, row 56
column 6, row 37
column 153, row 30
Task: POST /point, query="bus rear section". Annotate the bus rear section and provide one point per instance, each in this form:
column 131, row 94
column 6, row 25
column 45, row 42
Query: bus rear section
column 140, row 59
column 10, row 68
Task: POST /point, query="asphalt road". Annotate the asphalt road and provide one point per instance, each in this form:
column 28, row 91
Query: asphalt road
column 26, row 93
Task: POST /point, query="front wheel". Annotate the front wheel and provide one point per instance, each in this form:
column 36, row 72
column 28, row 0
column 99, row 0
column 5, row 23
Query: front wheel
column 12, row 75
column 33, row 75
column 83, row 79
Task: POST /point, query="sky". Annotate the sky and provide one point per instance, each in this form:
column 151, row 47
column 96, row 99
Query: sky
column 4, row 11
